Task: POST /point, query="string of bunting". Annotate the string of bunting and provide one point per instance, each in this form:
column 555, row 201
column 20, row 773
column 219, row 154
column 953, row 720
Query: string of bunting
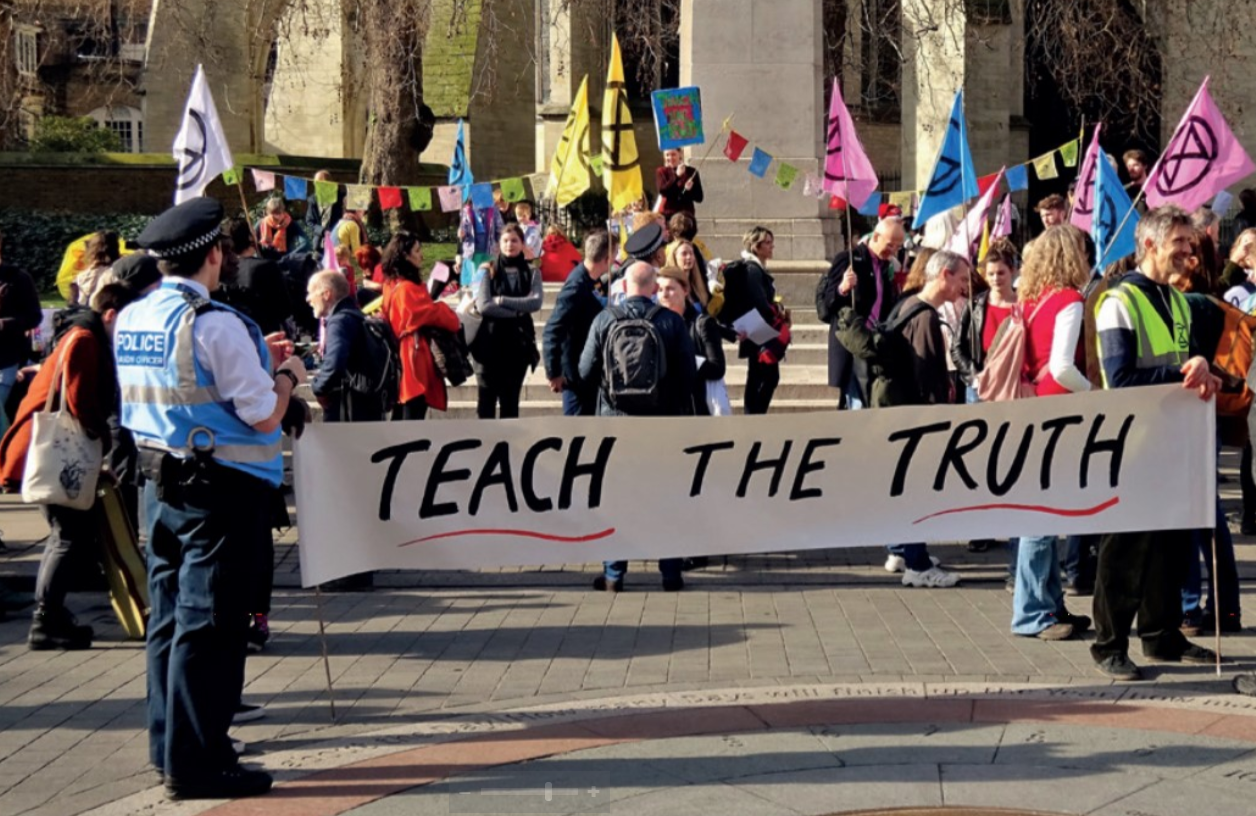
column 1045, row 167
column 447, row 197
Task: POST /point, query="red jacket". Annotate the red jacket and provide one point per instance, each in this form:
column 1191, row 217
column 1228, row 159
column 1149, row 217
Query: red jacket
column 408, row 307
column 558, row 257
column 84, row 359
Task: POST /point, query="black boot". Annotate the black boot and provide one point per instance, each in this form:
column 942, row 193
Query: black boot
column 56, row 628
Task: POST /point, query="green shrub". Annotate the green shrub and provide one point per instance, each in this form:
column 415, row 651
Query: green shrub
column 35, row 240
column 73, row 134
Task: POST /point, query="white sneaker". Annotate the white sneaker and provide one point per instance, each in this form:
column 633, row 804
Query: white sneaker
column 897, row 563
column 932, row 577
column 247, row 713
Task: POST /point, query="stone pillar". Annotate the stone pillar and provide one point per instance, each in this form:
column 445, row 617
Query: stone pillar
column 222, row 36
column 762, row 60
column 572, row 43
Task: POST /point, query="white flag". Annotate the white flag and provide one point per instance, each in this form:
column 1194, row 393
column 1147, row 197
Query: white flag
column 200, row 149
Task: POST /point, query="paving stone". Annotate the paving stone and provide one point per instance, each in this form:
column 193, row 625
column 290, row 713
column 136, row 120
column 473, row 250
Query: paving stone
column 1163, row 754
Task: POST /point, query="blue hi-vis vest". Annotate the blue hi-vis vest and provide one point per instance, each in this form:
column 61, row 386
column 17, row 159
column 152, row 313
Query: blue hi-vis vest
column 169, row 399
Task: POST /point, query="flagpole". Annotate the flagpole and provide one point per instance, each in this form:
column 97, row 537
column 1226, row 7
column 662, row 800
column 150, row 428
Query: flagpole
column 1081, row 162
column 1121, row 226
column 728, row 124
column 973, row 341
column 245, row 203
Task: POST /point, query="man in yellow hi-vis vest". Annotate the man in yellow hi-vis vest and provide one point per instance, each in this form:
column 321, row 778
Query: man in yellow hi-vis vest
column 1144, row 337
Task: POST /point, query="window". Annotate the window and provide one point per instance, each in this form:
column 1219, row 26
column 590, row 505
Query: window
column 126, row 122
column 26, row 51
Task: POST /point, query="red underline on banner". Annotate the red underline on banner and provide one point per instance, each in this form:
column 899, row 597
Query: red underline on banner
column 1029, row 508
column 520, row 533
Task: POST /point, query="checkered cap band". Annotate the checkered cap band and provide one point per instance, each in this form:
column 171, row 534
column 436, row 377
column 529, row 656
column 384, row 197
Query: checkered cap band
column 191, row 246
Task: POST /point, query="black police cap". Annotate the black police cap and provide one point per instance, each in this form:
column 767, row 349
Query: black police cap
column 137, row 271
column 183, row 229
column 646, row 241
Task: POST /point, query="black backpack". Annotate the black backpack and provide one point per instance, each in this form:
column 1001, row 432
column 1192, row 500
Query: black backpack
column 891, row 375
column 449, row 353
column 634, row 362
column 382, row 374
column 826, row 290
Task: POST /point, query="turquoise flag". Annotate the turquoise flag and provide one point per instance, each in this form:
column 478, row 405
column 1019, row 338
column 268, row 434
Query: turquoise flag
column 1112, row 204
column 459, row 167
column 953, row 180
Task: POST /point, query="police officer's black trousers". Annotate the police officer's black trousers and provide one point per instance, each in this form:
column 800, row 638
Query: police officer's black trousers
column 1140, row 574
column 203, row 574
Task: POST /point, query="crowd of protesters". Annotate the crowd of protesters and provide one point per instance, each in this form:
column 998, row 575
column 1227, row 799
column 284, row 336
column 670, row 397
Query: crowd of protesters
column 642, row 326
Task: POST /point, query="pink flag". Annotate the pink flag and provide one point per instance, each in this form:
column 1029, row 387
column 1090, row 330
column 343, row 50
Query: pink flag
column 1203, row 158
column 847, row 171
column 329, row 252
column 1003, row 221
column 1084, row 192
column 972, row 228
column 263, row 181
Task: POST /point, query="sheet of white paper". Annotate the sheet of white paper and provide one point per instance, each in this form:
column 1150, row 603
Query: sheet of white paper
column 755, row 327
column 1221, row 204
column 698, row 360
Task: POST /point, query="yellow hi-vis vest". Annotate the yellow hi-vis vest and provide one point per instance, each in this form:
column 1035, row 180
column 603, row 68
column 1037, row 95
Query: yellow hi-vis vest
column 1157, row 344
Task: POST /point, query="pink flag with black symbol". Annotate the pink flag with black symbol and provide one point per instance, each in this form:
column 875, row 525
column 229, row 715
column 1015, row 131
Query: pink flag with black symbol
column 1203, row 158
column 1084, row 192
column 847, row 171
column 969, row 232
column 1003, row 221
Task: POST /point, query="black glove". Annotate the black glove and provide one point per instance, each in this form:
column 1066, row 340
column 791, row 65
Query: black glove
column 295, row 417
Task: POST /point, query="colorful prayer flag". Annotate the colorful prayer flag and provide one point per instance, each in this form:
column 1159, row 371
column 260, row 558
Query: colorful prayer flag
column 984, row 182
column 1112, row 205
column 295, row 189
column 678, row 117
column 1084, row 193
column 326, row 193
column 1045, row 167
column 735, row 145
column 1017, row 178
column 597, row 164
column 420, row 198
column 263, row 181
column 459, row 167
column 622, row 172
column 450, row 198
column 231, row 176
column 972, row 227
column 785, row 175
column 953, row 180
column 759, row 162
column 837, row 203
column 389, row 198
column 1068, row 152
column 569, row 170
column 358, row 196
column 1203, row 158
column 513, row 191
column 482, row 196
column 812, row 186
column 847, row 171
column 904, row 201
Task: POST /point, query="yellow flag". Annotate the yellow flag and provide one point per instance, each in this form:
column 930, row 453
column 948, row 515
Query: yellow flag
column 985, row 243
column 569, row 171
column 622, row 171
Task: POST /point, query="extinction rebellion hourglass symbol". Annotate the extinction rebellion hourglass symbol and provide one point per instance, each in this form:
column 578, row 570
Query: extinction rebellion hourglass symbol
column 1189, row 160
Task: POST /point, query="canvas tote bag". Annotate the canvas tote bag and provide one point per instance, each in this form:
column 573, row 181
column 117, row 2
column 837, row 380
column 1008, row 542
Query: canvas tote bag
column 63, row 463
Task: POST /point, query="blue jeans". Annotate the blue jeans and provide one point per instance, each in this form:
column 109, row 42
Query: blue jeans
column 578, row 403
column 916, row 556
column 202, row 571
column 1039, row 597
column 616, row 570
column 1227, row 571
column 8, row 378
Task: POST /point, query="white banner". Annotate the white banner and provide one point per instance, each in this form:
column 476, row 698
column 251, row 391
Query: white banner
column 470, row 493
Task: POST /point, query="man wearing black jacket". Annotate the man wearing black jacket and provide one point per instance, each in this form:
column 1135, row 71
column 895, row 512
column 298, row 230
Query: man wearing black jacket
column 19, row 313
column 867, row 284
column 259, row 289
column 344, row 353
column 567, row 329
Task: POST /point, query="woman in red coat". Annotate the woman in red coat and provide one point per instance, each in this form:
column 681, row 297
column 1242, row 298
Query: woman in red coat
column 408, row 308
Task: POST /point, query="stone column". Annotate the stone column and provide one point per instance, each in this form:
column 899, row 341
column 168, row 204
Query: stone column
column 572, row 43
column 760, row 60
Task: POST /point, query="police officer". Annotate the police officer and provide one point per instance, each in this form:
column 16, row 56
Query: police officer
column 205, row 403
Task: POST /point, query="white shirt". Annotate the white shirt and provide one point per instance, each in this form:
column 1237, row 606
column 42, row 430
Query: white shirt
column 1062, row 361
column 224, row 347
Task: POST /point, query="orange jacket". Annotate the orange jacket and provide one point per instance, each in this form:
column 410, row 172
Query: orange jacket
column 408, row 307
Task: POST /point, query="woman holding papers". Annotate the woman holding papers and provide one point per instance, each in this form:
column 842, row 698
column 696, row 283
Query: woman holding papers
column 749, row 288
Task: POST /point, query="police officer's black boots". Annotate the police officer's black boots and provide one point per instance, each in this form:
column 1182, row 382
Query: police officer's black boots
column 55, row 628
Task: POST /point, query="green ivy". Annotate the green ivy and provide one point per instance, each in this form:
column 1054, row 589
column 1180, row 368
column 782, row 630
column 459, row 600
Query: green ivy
column 35, row 240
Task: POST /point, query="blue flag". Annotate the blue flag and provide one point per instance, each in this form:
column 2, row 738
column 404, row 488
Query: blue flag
column 1111, row 205
column 760, row 162
column 1017, row 178
column 953, row 180
column 459, row 169
column 871, row 207
column 294, row 189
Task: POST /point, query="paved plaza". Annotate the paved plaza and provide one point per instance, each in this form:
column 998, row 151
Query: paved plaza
column 792, row 683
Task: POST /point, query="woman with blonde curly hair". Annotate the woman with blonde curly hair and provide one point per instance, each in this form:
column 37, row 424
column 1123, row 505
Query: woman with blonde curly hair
column 1051, row 280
